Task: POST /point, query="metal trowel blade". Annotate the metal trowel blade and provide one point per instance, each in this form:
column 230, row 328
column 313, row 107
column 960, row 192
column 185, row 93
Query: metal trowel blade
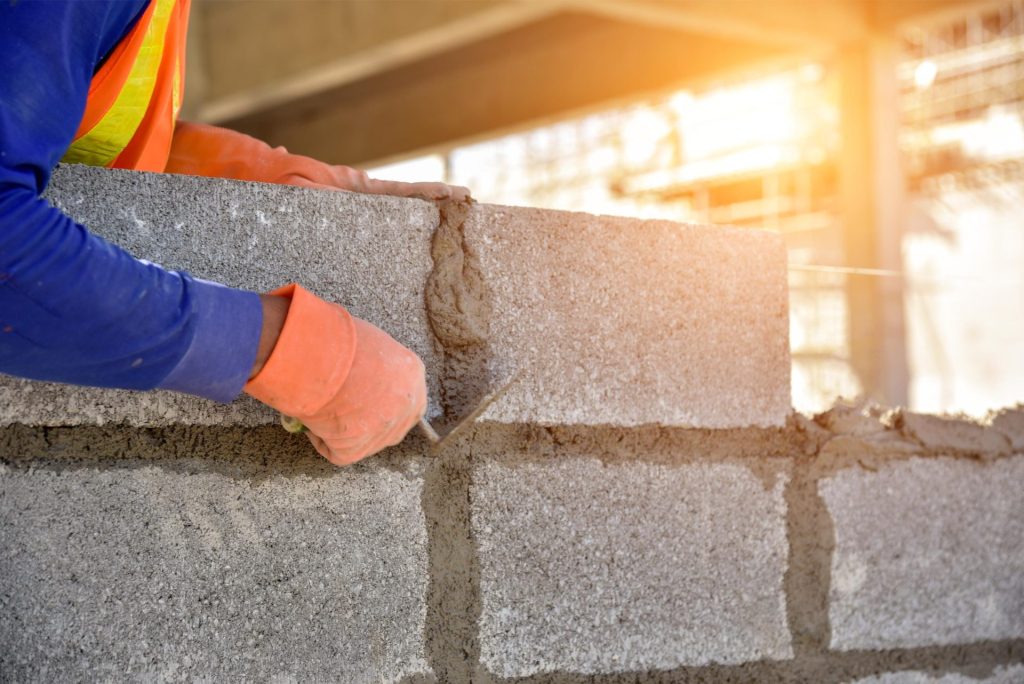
column 437, row 440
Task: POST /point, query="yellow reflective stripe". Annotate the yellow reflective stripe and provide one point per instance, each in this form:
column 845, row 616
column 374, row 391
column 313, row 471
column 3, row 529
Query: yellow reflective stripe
column 108, row 138
column 176, row 88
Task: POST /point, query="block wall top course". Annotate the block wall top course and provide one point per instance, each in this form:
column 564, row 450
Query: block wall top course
column 1010, row 422
column 370, row 254
column 850, row 430
column 624, row 322
column 608, row 321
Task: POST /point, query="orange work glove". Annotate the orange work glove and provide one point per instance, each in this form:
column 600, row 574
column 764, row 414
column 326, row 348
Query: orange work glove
column 202, row 150
column 355, row 388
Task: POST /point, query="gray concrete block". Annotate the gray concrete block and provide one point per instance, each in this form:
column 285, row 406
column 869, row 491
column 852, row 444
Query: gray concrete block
column 369, row 253
column 609, row 321
column 172, row 570
column 1012, row 674
column 928, row 552
column 588, row 567
column 619, row 321
column 950, row 435
column 1010, row 422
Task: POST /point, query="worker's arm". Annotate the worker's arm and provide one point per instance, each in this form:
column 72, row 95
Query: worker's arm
column 73, row 307
column 202, row 150
column 77, row 309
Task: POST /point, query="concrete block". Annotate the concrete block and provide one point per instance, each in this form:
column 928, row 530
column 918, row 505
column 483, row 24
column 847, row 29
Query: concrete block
column 948, row 436
column 1012, row 674
column 369, row 253
column 171, row 570
column 593, row 568
column 608, row 321
column 619, row 321
column 928, row 552
column 1010, row 422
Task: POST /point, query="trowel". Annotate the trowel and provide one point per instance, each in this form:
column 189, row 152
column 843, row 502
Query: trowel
column 437, row 440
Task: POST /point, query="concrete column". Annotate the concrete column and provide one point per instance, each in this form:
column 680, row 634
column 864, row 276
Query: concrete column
column 872, row 207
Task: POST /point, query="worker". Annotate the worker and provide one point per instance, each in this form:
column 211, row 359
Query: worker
column 101, row 83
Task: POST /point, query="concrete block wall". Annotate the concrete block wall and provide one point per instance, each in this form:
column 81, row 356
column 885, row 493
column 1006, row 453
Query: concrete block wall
column 641, row 507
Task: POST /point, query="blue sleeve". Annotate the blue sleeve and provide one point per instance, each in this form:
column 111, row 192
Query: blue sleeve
column 73, row 307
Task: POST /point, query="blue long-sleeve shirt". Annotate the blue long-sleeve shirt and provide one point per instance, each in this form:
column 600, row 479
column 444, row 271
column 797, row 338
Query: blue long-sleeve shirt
column 73, row 307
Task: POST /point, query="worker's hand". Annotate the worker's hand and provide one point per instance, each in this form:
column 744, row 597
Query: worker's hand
column 427, row 191
column 202, row 150
column 355, row 388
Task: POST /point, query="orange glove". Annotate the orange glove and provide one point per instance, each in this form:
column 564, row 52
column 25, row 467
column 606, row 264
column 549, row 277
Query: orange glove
column 355, row 388
column 201, row 150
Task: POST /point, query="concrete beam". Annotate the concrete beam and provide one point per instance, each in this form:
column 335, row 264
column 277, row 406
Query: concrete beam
column 883, row 15
column 552, row 67
column 329, row 45
column 311, row 34
column 320, row 46
column 796, row 24
column 800, row 25
column 605, row 321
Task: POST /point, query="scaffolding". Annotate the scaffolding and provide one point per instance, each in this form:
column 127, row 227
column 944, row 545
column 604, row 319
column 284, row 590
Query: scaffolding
column 962, row 100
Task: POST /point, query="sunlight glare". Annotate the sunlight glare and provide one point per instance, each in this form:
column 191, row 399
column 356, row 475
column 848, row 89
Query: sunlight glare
column 925, row 73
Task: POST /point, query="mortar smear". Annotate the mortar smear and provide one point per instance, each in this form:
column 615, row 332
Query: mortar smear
column 458, row 303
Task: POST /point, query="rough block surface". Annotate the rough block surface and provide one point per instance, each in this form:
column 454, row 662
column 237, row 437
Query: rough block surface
column 588, row 568
column 173, row 571
column 928, row 552
column 619, row 321
column 368, row 253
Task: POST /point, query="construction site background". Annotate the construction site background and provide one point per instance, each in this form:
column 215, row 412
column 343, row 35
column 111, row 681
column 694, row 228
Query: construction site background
column 764, row 152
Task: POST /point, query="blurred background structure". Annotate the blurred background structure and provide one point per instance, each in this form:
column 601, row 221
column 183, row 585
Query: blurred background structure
column 883, row 138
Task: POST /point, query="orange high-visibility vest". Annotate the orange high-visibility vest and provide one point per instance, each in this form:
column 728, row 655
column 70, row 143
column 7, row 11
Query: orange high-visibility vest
column 135, row 97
